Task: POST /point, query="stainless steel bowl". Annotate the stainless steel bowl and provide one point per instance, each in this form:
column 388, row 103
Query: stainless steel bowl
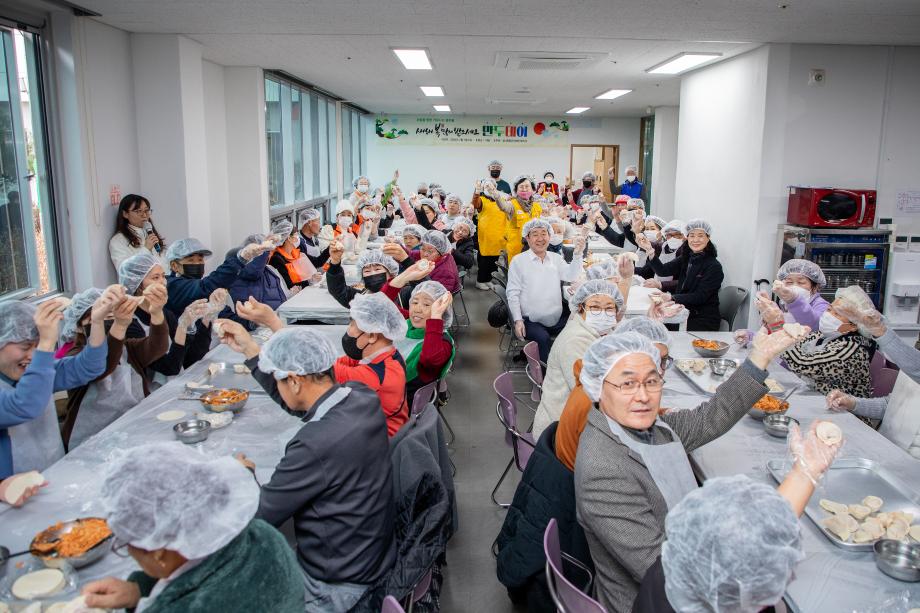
column 713, row 353
column 720, row 366
column 192, row 431
column 778, row 425
column 898, row 560
column 54, row 560
column 219, row 408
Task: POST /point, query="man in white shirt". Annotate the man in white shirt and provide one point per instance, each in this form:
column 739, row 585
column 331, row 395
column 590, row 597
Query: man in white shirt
column 534, row 291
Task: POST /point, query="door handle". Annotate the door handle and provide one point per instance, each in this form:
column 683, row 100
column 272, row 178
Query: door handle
column 862, row 209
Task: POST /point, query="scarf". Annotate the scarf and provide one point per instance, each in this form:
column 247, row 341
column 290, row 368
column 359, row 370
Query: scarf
column 418, row 334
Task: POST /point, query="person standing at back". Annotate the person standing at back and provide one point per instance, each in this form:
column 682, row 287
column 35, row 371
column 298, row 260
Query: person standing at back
column 134, row 230
column 495, row 171
column 632, row 186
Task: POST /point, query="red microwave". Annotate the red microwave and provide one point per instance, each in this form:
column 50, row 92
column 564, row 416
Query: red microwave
column 826, row 207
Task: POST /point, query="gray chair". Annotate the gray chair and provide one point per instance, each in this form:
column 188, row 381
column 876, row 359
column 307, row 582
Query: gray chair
column 731, row 299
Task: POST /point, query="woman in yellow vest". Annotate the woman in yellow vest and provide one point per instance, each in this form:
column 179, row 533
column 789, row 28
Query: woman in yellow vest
column 519, row 210
column 490, row 230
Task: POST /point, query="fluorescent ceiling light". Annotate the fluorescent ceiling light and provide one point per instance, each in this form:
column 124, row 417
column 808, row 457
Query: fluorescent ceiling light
column 432, row 91
column 611, row 94
column 442, row 108
column 413, row 59
column 682, row 62
column 577, row 110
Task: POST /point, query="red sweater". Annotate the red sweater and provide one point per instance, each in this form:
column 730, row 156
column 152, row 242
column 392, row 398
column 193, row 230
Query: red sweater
column 445, row 271
column 386, row 375
column 436, row 350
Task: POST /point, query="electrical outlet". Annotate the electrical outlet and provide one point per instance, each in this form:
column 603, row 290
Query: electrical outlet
column 816, row 76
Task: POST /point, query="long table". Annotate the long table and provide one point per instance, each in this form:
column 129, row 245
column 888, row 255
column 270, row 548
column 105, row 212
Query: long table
column 828, row 579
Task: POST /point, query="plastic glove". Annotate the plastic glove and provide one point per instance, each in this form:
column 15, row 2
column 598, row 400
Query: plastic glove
column 810, row 453
column 626, row 266
column 743, row 337
column 840, row 402
column 192, row 313
column 251, row 251
column 767, row 347
column 782, row 290
column 652, row 283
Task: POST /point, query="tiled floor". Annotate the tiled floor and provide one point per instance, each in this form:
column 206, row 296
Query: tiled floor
column 480, row 454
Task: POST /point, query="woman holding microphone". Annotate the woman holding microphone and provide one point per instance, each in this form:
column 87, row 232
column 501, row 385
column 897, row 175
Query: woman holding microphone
column 134, row 231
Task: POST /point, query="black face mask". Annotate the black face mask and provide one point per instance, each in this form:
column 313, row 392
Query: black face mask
column 193, row 271
column 423, row 194
column 350, row 345
column 373, row 283
column 587, row 184
column 495, row 173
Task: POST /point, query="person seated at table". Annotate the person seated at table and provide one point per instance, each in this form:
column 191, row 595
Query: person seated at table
column 650, row 228
column 187, row 282
column 427, row 212
column 376, row 269
column 346, row 231
column 310, row 227
column 30, row 438
column 369, row 213
column 616, row 227
column 596, row 309
column 125, row 381
column 836, row 356
column 189, row 522
column 622, row 502
column 436, row 249
column 533, row 290
column 258, row 280
column 698, row 273
column 463, row 245
column 672, row 235
column 412, row 237
column 872, row 323
column 189, row 342
column 453, row 204
column 294, row 267
column 801, row 283
column 744, row 565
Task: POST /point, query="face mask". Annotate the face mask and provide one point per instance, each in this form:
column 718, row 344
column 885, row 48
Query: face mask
column 555, row 239
column 362, row 188
column 193, row 271
column 375, row 282
column 350, row 345
column 675, row 243
column 651, row 235
column 344, row 223
column 602, row 323
column 829, row 326
column 369, row 214
column 495, row 173
column 630, row 178
column 587, row 184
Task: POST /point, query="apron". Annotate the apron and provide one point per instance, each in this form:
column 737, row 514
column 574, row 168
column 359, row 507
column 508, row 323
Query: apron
column 515, row 224
column 491, row 228
column 667, row 464
column 406, row 345
column 311, row 250
column 664, row 257
column 107, row 400
column 902, row 417
column 36, row 444
column 337, row 396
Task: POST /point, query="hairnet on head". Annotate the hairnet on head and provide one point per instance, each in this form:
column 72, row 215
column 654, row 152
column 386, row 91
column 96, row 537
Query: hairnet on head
column 604, row 353
column 807, row 269
column 857, row 299
column 185, row 247
column 621, row 199
column 17, row 322
column 632, row 168
column 307, row 216
column 550, row 173
column 588, row 176
column 463, row 221
column 344, row 206
column 658, row 221
column 639, row 203
column 79, row 305
column 296, row 350
column 438, row 240
column 699, row 224
column 431, row 204
column 415, row 230
column 364, row 204
column 675, row 225
column 653, row 330
column 435, row 290
column 377, row 256
column 256, row 238
column 434, row 186
column 421, row 185
column 453, row 198
column 595, row 287
column 375, row 313
column 282, row 227
column 605, row 269
column 439, row 191
column 495, row 163
column 358, row 180
column 731, row 546
column 168, row 496
column 521, row 178
column 535, row 224
column 132, row 271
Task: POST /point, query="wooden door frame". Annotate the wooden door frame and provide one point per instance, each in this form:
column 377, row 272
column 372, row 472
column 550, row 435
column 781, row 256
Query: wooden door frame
column 616, row 161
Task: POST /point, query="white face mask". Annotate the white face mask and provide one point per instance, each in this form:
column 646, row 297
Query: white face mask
column 555, row 239
column 651, row 235
column 829, row 326
column 367, row 214
column 344, row 222
column 630, row 178
column 602, row 323
column 674, row 243
column 362, row 188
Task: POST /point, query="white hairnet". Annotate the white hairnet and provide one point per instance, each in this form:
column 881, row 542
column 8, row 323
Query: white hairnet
column 535, row 224
column 588, row 176
column 296, row 350
column 79, row 305
column 595, row 287
column 375, row 313
column 453, row 198
column 438, row 190
column 731, row 547
column 17, row 322
column 605, row 269
column 632, row 168
column 415, row 230
column 521, row 178
column 282, row 227
column 658, row 221
column 857, row 299
column 438, row 240
column 699, row 224
column 431, row 204
column 604, row 353
column 358, row 180
column 805, row 268
column 653, row 330
column 377, row 256
column 132, row 271
column 463, row 221
column 494, row 163
column 168, row 496
column 639, row 203
column 434, row 185
column 344, row 206
column 675, row 225
column 307, row 216
column 435, row 290
column 422, row 185
column 185, row 247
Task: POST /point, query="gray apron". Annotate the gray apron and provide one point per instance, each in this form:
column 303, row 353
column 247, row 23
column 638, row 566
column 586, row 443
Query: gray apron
column 667, row 464
column 337, row 396
column 37, row 444
column 406, row 346
column 107, row 400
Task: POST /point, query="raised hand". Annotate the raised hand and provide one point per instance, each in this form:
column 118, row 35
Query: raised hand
column 812, row 455
column 767, row 347
column 840, row 402
column 440, row 306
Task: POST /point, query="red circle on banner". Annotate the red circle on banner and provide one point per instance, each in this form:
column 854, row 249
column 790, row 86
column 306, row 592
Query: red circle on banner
column 539, row 128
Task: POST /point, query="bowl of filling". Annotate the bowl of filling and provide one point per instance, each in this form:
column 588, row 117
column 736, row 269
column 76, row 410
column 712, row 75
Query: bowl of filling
column 224, row 400
column 77, row 542
column 710, row 349
column 768, row 405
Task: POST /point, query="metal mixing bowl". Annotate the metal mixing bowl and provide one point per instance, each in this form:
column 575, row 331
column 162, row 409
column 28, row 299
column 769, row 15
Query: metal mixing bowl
column 898, row 560
column 218, row 408
column 712, row 353
column 778, row 425
column 192, row 431
column 720, row 366
column 85, row 559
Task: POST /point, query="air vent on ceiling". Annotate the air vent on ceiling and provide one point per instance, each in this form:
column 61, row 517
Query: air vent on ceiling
column 515, row 100
column 546, row 60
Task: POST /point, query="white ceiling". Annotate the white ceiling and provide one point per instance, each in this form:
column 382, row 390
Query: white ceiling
column 344, row 46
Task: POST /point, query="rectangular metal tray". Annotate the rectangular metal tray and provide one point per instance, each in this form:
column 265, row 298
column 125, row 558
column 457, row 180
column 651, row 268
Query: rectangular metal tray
column 707, row 383
column 848, row 481
column 227, row 378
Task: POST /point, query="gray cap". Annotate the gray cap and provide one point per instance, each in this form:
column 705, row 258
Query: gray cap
column 185, row 247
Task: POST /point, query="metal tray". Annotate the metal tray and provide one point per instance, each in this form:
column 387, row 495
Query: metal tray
column 226, row 378
column 848, row 481
column 705, row 382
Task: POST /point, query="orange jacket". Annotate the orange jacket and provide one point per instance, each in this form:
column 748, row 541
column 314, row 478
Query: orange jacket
column 386, row 375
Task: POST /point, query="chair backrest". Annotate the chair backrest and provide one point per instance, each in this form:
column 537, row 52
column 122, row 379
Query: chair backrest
column 423, row 396
column 567, row 597
column 882, row 376
column 731, row 299
column 507, row 406
column 421, row 588
column 391, row 605
column 534, row 364
column 500, row 278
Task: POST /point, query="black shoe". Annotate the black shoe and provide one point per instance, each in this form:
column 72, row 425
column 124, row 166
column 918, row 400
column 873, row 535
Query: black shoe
column 520, row 358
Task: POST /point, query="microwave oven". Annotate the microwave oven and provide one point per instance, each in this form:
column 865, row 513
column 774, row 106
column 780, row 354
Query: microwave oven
column 827, row 207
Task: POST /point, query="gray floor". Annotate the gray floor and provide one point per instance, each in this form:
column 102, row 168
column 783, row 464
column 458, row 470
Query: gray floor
column 480, row 454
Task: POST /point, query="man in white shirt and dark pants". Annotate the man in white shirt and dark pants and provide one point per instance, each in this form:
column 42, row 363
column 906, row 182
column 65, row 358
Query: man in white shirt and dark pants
column 534, row 286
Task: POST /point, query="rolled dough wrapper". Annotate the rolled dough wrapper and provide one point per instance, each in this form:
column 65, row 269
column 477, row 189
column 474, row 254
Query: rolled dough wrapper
column 915, row 533
column 873, row 502
column 829, row 433
column 20, row 483
column 794, row 330
column 38, row 584
column 174, row 415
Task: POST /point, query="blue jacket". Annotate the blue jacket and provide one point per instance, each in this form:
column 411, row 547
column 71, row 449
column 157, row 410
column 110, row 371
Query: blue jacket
column 635, row 189
column 256, row 279
column 184, row 291
column 29, row 396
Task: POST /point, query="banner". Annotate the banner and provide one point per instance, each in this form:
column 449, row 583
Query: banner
column 463, row 130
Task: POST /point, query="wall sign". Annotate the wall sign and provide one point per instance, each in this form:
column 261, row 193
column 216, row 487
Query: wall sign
column 463, row 130
column 908, row 202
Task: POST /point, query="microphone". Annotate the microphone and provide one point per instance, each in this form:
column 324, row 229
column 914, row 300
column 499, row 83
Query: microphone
column 148, row 227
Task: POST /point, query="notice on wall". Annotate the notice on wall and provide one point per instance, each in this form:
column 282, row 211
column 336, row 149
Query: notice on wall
column 908, row 202
column 463, row 130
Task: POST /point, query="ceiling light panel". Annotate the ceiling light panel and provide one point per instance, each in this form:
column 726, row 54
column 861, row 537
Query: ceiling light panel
column 578, row 110
column 682, row 62
column 442, row 108
column 413, row 59
column 432, row 91
column 612, row 94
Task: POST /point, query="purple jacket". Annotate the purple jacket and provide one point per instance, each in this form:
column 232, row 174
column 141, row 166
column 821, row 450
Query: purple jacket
column 445, row 271
column 808, row 312
column 258, row 281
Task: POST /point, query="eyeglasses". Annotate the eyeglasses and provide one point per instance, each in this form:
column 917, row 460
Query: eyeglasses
column 596, row 310
column 142, row 212
column 120, row 548
column 631, row 387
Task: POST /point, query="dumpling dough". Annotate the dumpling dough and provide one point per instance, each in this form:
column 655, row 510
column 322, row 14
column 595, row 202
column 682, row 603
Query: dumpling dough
column 35, row 607
column 241, row 369
column 873, row 502
column 39, row 584
column 839, row 526
column 915, row 533
column 904, row 516
column 830, row 433
column 859, row 511
column 794, row 330
column 78, row 605
column 171, row 415
column 897, row 530
column 861, row 536
column 873, row 527
column 213, row 369
column 833, row 507
column 20, row 483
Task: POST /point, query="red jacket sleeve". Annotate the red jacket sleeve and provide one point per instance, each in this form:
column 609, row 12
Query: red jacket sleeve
column 436, row 351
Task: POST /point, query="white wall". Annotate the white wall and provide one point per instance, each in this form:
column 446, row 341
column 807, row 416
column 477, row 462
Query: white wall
column 215, row 126
column 458, row 167
column 664, row 160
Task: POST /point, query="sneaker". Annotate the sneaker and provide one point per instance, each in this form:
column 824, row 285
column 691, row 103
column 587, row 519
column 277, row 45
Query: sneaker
column 483, row 286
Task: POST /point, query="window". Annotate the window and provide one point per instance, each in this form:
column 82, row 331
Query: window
column 28, row 264
column 300, row 130
column 354, row 152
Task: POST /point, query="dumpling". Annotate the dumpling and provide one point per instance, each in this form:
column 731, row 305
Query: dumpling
column 897, row 530
column 873, row 527
column 859, row 511
column 885, row 519
column 839, row 526
column 829, row 433
column 873, row 502
column 833, row 507
column 904, row 516
column 915, row 533
column 861, row 536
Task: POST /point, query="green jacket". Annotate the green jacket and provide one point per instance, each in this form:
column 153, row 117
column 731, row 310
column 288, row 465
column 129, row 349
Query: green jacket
column 256, row 571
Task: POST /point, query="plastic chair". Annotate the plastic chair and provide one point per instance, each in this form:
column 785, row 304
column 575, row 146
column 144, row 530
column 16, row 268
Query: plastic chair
column 500, row 278
column 418, row 592
column 391, row 605
column 566, row 597
column 460, row 321
column 423, row 397
column 522, row 444
column 731, row 299
column 535, row 369
column 883, row 377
